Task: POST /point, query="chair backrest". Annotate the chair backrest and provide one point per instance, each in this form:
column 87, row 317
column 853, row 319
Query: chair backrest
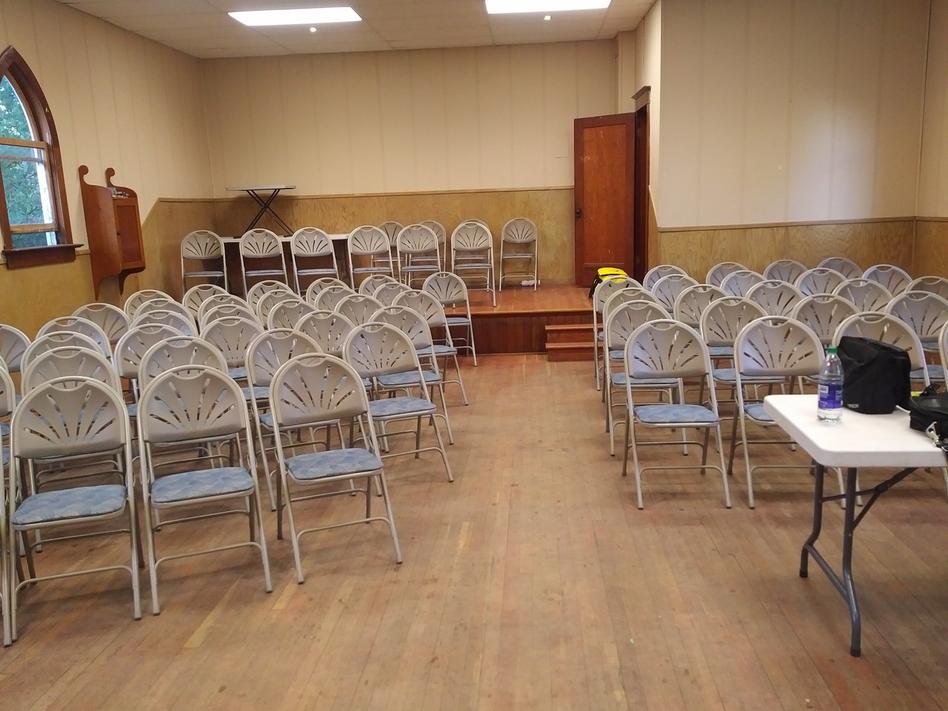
column 818, row 280
column 271, row 349
column 373, row 282
column 195, row 297
column 437, row 228
column 446, row 287
column 72, row 362
column 409, row 322
column 270, row 300
column 775, row 296
column 667, row 289
column 315, row 388
column 56, row 339
column 739, row 282
column 13, row 344
column 201, row 244
column 260, row 243
column 925, row 311
column 934, row 284
column 624, row 296
column 215, row 300
column 138, row 298
column 885, row 328
column 310, row 242
column 659, row 271
column 519, row 230
column 471, row 236
column 193, row 403
column 176, row 320
column 666, row 349
column 233, row 336
column 133, row 346
column 943, row 345
column 717, row 273
column 788, row 270
column 625, row 318
column 7, row 404
column 607, row 288
column 327, row 328
column 175, row 351
column 256, row 292
column 164, row 305
column 111, row 319
column 417, row 239
column 368, row 240
column 692, row 302
column 358, row 308
column 893, row 278
column 319, row 285
column 387, row 293
column 287, row 313
column 724, row 318
column 779, row 346
column 375, row 349
column 391, row 228
column 77, row 324
column 823, row 313
column 425, row 304
column 225, row 310
column 864, row 294
column 68, row 417
column 332, row 295
column 845, row 266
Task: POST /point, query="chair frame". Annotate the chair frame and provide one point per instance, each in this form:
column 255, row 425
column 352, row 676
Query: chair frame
column 199, row 246
column 373, row 242
column 256, row 244
column 520, row 231
column 451, row 291
column 469, row 241
column 306, row 244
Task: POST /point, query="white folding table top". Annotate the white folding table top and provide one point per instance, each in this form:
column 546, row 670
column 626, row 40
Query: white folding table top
column 255, row 188
column 858, row 440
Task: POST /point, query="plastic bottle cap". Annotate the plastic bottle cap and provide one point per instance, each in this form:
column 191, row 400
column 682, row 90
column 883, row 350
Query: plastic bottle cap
column 831, row 349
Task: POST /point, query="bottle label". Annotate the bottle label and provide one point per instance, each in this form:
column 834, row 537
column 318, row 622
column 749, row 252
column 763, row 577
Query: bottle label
column 830, row 396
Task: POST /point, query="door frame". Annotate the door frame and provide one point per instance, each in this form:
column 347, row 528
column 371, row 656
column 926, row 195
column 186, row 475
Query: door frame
column 579, row 125
column 642, row 200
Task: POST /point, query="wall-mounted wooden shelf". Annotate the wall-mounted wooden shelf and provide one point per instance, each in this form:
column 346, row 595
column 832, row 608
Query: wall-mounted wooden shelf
column 113, row 228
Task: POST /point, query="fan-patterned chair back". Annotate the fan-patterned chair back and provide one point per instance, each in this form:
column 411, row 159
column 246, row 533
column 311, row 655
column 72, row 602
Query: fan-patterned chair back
column 176, row 351
column 864, row 294
column 69, row 362
column 819, row 280
column 823, row 313
column 111, row 319
column 776, row 297
column 788, row 270
column 327, row 328
column 692, row 302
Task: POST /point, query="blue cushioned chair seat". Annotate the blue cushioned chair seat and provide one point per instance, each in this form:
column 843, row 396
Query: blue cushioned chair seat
column 64, row 504
column 721, row 351
column 440, row 350
column 618, row 379
column 258, row 393
column 4, row 429
column 266, row 419
column 4, row 456
column 729, row 375
column 458, row 321
column 935, row 372
column 132, row 408
column 237, row 373
column 392, row 406
column 677, row 414
column 395, row 380
column 930, row 344
column 201, row 483
column 756, row 411
column 335, row 462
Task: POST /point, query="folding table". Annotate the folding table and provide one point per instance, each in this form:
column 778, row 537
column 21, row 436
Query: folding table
column 255, row 192
column 856, row 441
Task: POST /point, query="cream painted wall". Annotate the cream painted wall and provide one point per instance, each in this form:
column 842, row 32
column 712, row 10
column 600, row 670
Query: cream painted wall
column 933, row 177
column 790, row 110
column 118, row 100
column 452, row 119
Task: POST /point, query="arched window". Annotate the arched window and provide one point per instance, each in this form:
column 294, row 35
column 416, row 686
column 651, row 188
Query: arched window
column 33, row 216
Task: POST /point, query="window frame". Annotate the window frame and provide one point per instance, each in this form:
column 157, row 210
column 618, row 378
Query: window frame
column 40, row 116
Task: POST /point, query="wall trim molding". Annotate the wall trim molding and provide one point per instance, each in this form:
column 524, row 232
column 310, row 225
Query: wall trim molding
column 813, row 223
column 932, row 219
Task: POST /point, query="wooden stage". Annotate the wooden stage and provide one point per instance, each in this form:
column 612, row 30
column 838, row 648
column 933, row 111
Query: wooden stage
column 556, row 320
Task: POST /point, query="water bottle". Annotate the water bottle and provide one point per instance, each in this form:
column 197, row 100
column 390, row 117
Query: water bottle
column 830, row 406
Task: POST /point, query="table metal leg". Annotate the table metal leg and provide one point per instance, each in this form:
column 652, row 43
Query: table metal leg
column 265, row 204
column 849, row 585
column 818, row 470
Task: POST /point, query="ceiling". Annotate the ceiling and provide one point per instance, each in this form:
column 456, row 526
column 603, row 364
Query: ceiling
column 202, row 28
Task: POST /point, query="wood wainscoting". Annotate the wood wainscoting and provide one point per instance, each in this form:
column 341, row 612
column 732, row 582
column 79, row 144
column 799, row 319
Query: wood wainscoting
column 931, row 246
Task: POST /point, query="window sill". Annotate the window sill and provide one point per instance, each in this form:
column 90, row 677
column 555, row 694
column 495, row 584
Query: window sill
column 38, row 256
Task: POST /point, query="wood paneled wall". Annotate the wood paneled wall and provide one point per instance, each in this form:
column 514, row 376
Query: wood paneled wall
column 868, row 243
column 374, row 122
column 931, row 247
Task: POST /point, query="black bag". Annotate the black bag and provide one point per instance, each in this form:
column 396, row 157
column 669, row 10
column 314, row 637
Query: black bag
column 928, row 413
column 876, row 375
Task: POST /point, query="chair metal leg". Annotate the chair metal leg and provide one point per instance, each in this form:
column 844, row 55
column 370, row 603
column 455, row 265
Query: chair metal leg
column 262, row 539
column 727, row 491
column 630, row 428
column 444, row 454
column 152, row 566
column 134, row 545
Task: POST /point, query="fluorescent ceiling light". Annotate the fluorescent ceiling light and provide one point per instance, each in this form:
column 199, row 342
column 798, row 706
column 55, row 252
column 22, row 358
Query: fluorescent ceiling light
column 504, row 7
column 301, row 16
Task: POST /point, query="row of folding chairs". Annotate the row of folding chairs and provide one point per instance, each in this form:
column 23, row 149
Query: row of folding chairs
column 73, row 427
column 408, row 253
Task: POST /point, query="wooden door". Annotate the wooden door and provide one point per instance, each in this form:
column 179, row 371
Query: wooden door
column 604, row 194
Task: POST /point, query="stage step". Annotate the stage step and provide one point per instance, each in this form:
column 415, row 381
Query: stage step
column 568, row 333
column 559, row 352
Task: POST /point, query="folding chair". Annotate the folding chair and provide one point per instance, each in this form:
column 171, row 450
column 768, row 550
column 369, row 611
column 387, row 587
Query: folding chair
column 864, row 294
column 451, row 292
column 111, row 319
column 847, row 267
column 520, row 246
column 311, row 244
column 659, row 271
column 328, row 329
column 739, row 282
column 418, row 253
column 775, row 296
column 374, row 244
column 472, row 253
column 264, row 248
column 893, row 278
column 717, row 273
column 788, row 270
column 203, row 246
column 818, row 280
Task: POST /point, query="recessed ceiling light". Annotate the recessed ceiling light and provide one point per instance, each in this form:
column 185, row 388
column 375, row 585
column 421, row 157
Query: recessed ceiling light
column 547, row 18
column 312, row 29
column 503, row 7
column 301, row 16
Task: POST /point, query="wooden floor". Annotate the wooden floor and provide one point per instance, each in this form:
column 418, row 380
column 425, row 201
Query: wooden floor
column 532, row 582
